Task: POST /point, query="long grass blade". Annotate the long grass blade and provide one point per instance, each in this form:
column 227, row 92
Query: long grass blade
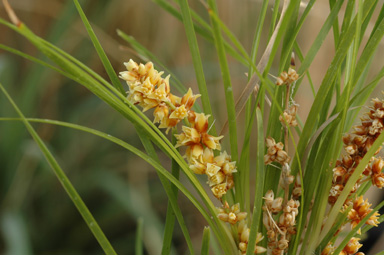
column 228, row 91
column 139, row 237
column 260, row 176
column 67, row 185
column 196, row 58
column 100, row 51
column 170, row 217
column 171, row 193
column 202, row 28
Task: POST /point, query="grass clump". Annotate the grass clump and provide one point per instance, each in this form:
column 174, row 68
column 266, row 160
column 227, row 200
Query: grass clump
column 304, row 182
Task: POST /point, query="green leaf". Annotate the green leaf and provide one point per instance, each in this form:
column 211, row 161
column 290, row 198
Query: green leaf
column 14, row 231
column 329, row 78
column 205, row 244
column 196, row 59
column 170, row 217
column 171, row 191
column 139, row 237
column 100, row 51
column 67, row 185
column 201, row 28
column 260, row 176
column 228, row 91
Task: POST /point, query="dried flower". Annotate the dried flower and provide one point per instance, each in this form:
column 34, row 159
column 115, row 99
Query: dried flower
column 289, row 116
column 275, row 152
column 287, row 78
column 231, row 215
column 244, row 231
column 356, row 146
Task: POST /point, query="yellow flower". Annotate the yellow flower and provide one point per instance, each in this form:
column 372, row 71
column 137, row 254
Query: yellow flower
column 160, row 113
column 179, row 113
column 212, row 169
column 189, row 99
column 219, row 190
column 159, row 94
column 231, row 215
column 360, row 209
column 190, row 136
column 216, row 179
column 352, row 247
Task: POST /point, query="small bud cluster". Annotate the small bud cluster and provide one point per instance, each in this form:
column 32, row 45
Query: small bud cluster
column 275, row 152
column 200, row 155
column 243, row 232
column 328, row 250
column 289, row 116
column 296, row 192
column 279, row 232
column 279, row 215
column 287, row 78
column 361, row 209
column 149, row 90
column 356, row 146
column 352, row 247
column 232, row 214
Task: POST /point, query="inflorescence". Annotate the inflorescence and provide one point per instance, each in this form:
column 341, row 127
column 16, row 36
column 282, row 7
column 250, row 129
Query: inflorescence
column 204, row 155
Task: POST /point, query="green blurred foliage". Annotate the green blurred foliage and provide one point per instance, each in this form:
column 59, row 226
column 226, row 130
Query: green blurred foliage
column 36, row 216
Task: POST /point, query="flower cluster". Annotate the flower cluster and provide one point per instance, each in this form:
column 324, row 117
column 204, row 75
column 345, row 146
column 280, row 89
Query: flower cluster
column 361, row 209
column 232, row 214
column 275, row 152
column 352, row 247
column 149, row 90
column 200, row 155
column 243, row 232
column 287, row 78
column 289, row 116
column 356, row 146
column 279, row 214
column 279, row 231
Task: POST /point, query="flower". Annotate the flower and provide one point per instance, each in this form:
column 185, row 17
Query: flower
column 361, row 209
column 288, row 117
column 356, row 145
column 352, row 246
column 287, row 78
column 275, row 152
column 243, row 232
column 231, row 215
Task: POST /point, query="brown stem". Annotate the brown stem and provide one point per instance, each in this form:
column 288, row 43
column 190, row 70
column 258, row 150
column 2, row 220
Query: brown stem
column 11, row 13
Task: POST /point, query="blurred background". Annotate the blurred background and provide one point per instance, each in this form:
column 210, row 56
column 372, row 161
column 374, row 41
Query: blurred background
column 36, row 215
